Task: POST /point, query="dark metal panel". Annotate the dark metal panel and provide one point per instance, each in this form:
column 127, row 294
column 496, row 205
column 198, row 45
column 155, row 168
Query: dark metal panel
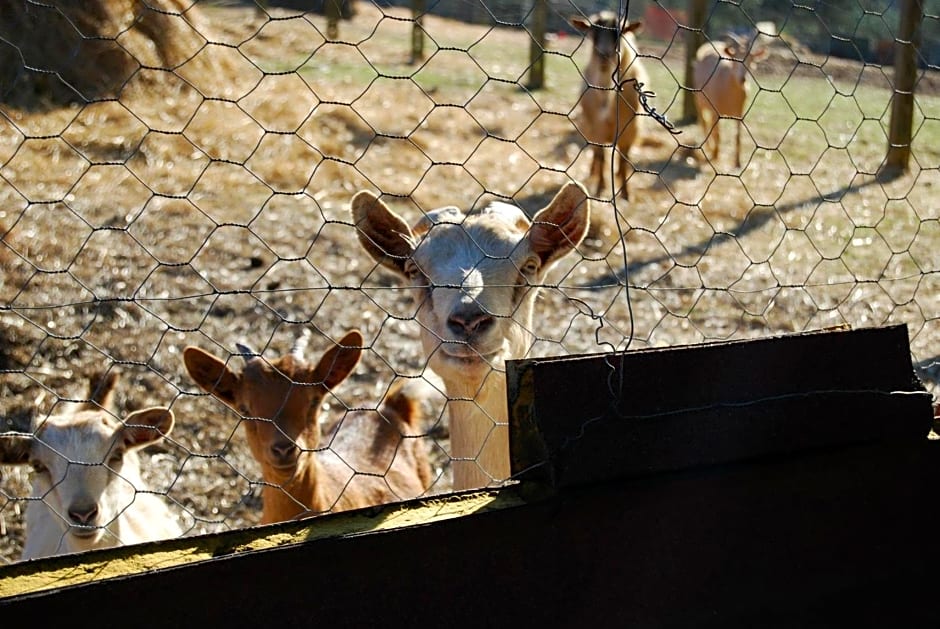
column 828, row 538
column 583, row 419
column 815, row 509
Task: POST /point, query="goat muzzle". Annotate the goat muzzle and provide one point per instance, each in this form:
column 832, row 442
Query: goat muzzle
column 83, row 520
column 467, row 325
column 284, row 455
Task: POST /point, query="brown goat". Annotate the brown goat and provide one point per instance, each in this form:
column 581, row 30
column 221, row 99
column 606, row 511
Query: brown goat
column 720, row 80
column 611, row 97
column 369, row 458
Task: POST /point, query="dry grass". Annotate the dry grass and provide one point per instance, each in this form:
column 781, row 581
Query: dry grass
column 177, row 216
column 124, row 40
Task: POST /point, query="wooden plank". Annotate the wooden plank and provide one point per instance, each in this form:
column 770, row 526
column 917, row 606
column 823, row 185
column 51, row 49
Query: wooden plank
column 584, row 419
column 30, row 577
column 822, row 539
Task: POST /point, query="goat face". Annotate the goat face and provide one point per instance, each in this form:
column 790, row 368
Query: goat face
column 85, row 467
column 721, row 72
column 466, row 307
column 745, row 55
column 280, row 400
column 475, row 275
column 605, row 31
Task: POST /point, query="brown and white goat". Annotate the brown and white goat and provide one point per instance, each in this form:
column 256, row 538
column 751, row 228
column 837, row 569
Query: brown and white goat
column 86, row 482
column 475, row 278
column 611, row 97
column 720, row 80
column 370, row 458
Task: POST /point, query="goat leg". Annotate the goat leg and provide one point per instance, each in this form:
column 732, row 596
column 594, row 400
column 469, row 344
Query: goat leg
column 622, row 175
column 597, row 169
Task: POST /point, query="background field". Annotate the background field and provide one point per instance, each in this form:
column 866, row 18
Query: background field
column 213, row 210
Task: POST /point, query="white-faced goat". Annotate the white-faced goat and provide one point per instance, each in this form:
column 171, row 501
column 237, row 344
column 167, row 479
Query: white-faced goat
column 475, row 278
column 371, row 457
column 87, row 490
column 611, row 97
column 720, row 80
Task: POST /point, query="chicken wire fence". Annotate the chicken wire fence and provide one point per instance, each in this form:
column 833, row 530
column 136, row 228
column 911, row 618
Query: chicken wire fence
column 178, row 173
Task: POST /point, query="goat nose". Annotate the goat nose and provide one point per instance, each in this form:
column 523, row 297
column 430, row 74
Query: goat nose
column 85, row 515
column 470, row 324
column 283, row 450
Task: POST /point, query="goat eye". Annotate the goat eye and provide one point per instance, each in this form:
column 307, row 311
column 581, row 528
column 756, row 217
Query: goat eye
column 415, row 275
column 531, row 267
column 38, row 467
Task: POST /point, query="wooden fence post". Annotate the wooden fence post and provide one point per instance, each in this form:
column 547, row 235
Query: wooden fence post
column 537, row 45
column 694, row 37
column 334, row 11
column 907, row 43
column 418, row 8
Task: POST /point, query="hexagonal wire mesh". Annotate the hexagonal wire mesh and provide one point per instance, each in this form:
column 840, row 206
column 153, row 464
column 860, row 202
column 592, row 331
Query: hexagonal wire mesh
column 179, row 173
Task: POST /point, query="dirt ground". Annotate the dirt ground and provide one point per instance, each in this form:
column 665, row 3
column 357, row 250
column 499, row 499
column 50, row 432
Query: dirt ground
column 212, row 211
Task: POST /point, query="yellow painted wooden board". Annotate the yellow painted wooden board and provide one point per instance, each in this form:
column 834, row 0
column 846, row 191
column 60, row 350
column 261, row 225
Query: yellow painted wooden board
column 67, row 570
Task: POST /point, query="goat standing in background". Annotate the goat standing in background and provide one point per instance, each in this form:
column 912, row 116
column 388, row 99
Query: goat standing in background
column 86, row 477
column 720, row 80
column 474, row 278
column 611, row 98
column 371, row 457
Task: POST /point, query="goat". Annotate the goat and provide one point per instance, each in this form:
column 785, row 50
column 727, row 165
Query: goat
column 720, row 83
column 475, row 278
column 611, row 98
column 371, row 457
column 87, row 491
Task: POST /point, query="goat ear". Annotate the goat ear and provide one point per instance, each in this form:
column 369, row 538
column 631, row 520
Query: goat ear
column 339, row 361
column 402, row 405
column 757, row 53
column 14, row 448
column 101, row 391
column 562, row 225
column 581, row 23
column 384, row 234
column 147, row 426
column 632, row 27
column 211, row 374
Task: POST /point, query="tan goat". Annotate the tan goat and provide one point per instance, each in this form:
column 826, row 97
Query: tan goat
column 86, row 477
column 720, row 80
column 370, row 458
column 475, row 278
column 611, row 99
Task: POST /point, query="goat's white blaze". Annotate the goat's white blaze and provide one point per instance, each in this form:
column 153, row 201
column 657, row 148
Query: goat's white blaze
column 475, row 287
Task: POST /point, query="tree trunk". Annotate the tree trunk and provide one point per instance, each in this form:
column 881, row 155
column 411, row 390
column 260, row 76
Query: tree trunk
column 537, row 45
column 418, row 9
column 694, row 37
column 905, row 77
